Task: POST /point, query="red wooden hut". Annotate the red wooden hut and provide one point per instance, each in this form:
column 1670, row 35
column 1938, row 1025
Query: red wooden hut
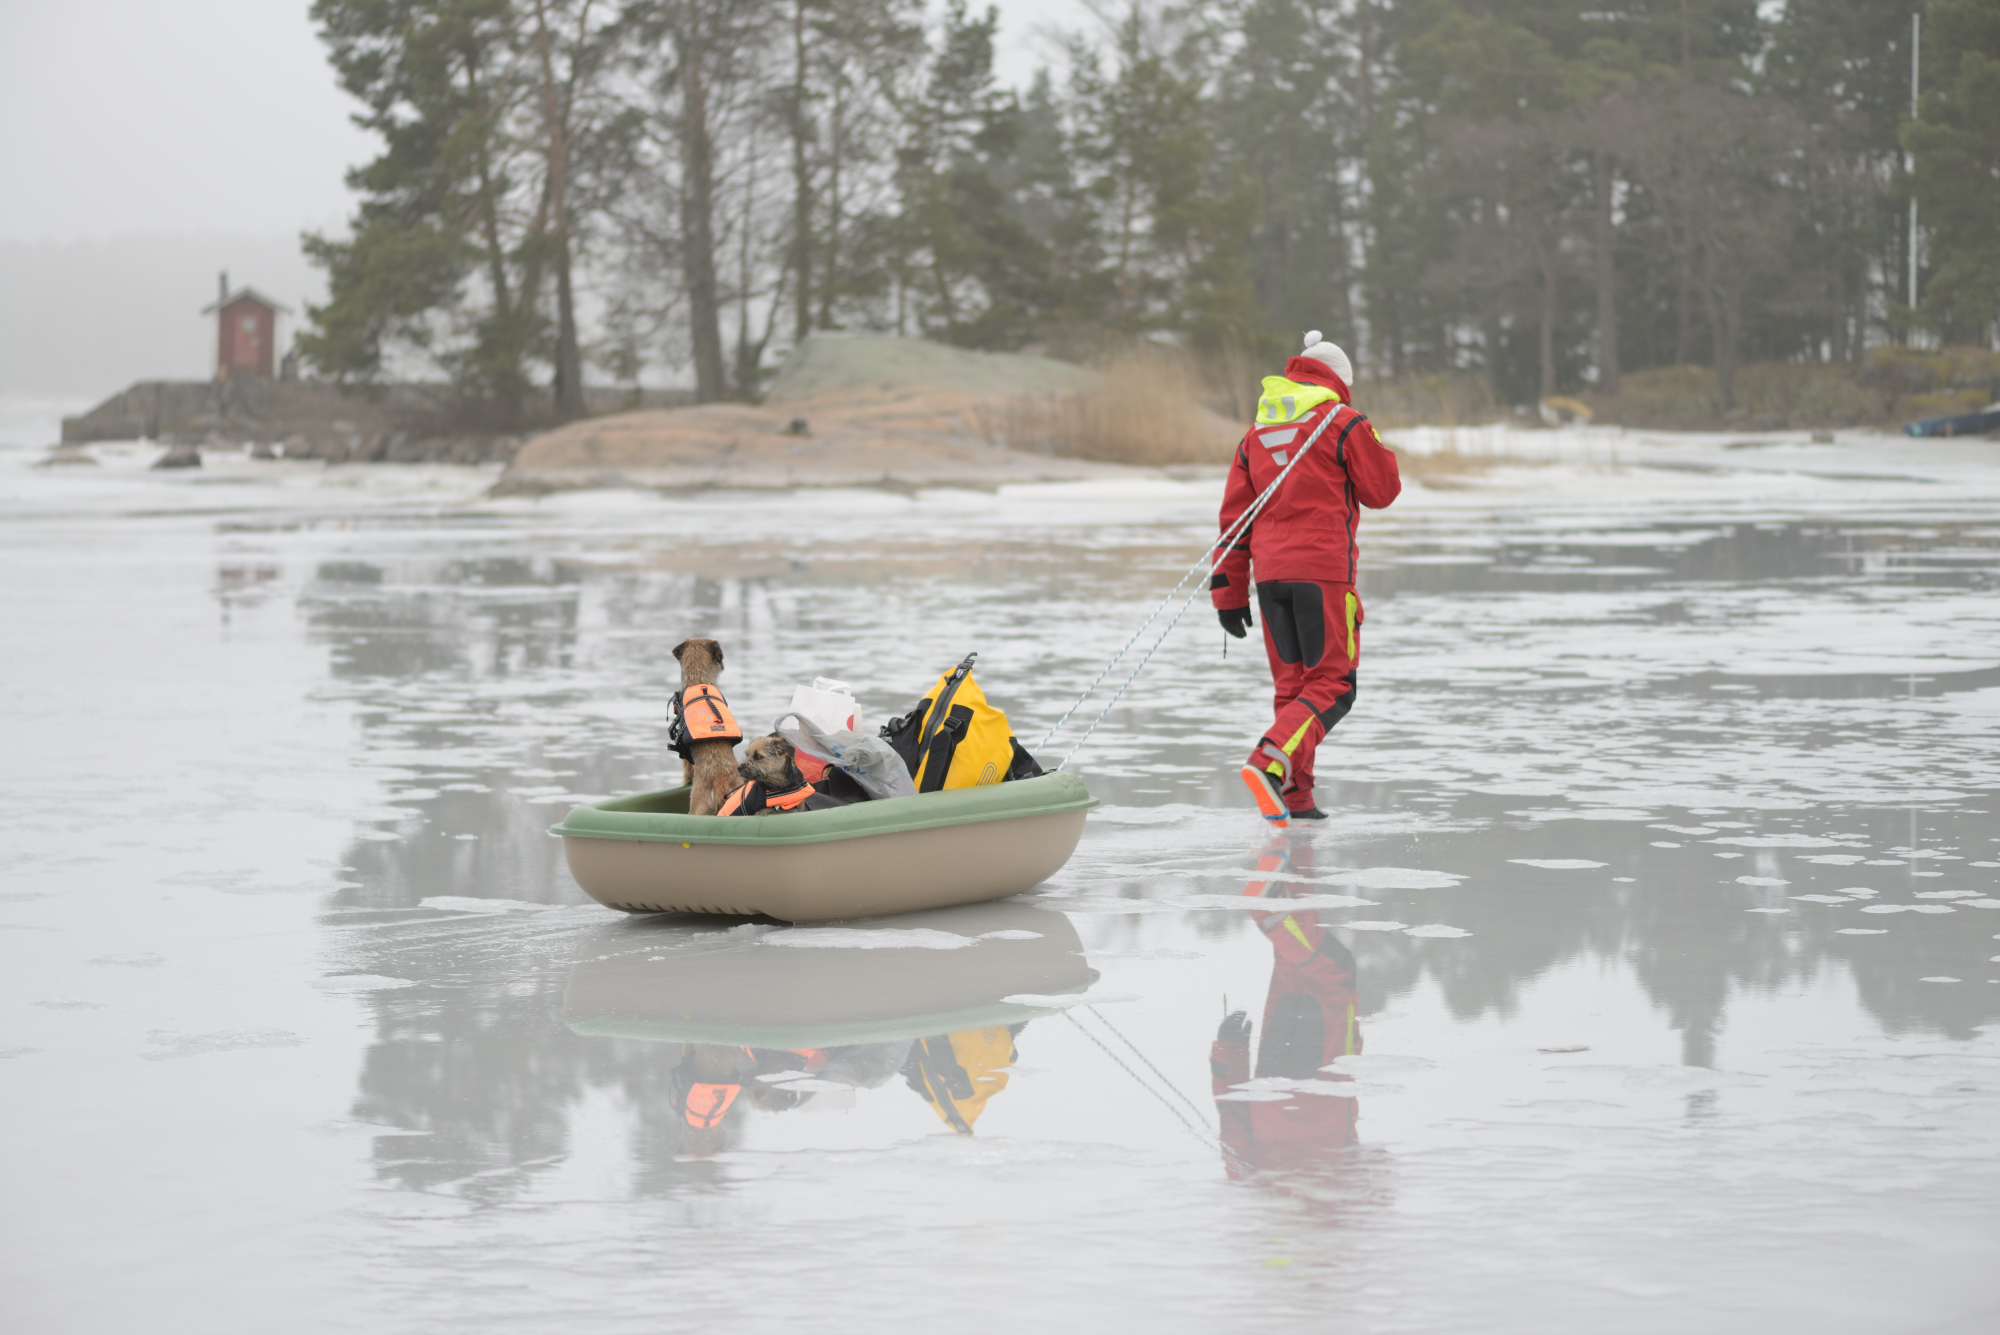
column 246, row 331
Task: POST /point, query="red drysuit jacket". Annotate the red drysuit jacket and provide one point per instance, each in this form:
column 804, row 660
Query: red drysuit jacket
column 1306, row 530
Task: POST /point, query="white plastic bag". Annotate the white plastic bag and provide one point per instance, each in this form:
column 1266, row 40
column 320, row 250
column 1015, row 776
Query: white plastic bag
column 846, row 744
column 828, row 705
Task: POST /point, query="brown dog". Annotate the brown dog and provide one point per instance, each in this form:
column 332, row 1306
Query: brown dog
column 712, row 772
column 773, row 762
column 771, row 766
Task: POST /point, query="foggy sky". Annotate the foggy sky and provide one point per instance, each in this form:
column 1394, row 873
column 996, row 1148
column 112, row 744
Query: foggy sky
column 144, row 144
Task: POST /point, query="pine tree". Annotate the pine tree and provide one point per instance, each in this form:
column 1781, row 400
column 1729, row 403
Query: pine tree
column 467, row 216
column 1956, row 180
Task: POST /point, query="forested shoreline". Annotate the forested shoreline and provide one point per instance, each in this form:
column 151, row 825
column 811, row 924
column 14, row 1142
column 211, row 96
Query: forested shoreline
column 1544, row 193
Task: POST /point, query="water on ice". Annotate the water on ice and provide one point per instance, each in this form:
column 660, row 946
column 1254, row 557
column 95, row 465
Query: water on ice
column 305, row 1024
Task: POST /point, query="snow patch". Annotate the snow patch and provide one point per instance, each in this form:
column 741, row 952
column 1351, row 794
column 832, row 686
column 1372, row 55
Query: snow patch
column 474, row 904
column 170, row 1045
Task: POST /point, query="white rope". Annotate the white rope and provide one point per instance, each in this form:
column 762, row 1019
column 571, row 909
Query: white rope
column 1208, row 560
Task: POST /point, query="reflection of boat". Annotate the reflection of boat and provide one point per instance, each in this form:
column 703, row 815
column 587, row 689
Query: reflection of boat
column 645, row 854
column 738, row 987
column 759, row 1025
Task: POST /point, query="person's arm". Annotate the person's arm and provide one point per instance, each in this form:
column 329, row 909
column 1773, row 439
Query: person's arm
column 1229, row 587
column 1371, row 466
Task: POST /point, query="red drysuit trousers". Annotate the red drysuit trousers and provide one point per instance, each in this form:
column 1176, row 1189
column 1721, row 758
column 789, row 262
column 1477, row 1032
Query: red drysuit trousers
column 1312, row 636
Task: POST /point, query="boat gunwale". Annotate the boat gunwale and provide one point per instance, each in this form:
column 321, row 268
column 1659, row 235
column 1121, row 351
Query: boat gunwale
column 958, row 806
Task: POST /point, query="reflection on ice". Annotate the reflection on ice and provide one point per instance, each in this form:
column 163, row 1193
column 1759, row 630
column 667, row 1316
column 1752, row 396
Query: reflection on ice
column 1283, row 1115
column 778, row 1028
column 682, row 980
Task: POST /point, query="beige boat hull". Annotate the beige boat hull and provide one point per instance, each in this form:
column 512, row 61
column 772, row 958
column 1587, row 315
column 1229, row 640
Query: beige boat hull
column 868, row 876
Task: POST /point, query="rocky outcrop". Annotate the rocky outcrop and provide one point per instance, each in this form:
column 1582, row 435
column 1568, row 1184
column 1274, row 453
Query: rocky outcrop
column 67, row 456
column 900, row 441
column 846, row 411
column 310, row 419
column 179, row 456
column 396, row 447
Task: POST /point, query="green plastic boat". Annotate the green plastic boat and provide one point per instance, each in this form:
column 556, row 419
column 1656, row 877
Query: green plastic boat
column 645, row 854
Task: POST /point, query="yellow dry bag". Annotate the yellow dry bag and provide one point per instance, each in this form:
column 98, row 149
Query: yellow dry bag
column 955, row 739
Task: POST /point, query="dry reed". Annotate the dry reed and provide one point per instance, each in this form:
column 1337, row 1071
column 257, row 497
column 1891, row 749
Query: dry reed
column 1146, row 408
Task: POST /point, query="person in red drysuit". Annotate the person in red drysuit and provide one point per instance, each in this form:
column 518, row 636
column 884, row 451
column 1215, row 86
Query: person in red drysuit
column 1309, row 1020
column 1302, row 546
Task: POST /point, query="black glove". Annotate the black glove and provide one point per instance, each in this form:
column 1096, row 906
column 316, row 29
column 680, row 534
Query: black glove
column 1235, row 1028
column 1235, row 620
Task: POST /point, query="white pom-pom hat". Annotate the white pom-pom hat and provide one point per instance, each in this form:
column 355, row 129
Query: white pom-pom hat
column 1329, row 355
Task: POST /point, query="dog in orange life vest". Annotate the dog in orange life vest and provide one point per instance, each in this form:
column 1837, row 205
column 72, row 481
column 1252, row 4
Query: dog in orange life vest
column 711, row 764
column 773, row 781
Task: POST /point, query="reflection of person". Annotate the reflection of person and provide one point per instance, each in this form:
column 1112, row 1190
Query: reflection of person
column 958, row 1073
column 1303, row 546
column 1309, row 1019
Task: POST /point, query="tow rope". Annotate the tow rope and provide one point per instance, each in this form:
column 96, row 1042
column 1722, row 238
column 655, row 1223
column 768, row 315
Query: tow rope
column 1207, row 561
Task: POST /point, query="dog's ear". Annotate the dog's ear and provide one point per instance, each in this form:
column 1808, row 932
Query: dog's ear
column 718, row 654
column 677, row 648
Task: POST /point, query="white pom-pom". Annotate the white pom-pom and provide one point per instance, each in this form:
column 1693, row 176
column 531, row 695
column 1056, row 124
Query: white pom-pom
column 1312, row 337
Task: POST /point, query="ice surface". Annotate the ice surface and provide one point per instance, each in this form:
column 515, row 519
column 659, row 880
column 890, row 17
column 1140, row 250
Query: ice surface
column 307, row 1028
column 849, row 938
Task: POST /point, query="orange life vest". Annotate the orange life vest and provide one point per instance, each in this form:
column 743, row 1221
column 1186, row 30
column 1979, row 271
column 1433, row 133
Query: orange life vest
column 707, row 1103
column 753, row 798
column 700, row 714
